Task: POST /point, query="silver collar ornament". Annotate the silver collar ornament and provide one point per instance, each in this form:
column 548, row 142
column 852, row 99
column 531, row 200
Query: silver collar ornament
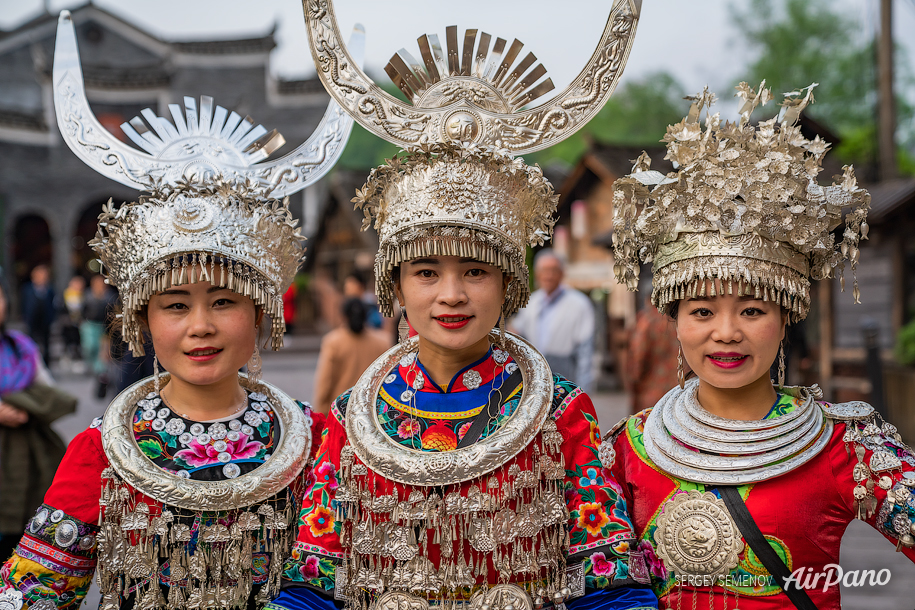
column 733, row 452
column 460, row 190
column 212, row 208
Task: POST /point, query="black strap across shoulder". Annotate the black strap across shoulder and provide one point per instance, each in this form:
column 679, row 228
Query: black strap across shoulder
column 764, row 551
column 478, row 423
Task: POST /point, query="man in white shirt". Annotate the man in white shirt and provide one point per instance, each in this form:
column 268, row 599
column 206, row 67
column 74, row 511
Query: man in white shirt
column 559, row 321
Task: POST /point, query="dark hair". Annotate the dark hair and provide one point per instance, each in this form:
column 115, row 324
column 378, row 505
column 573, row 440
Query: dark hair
column 4, row 335
column 359, row 276
column 355, row 312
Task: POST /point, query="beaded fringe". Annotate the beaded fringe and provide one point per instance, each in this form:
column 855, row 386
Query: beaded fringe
column 451, row 241
column 762, row 279
column 190, row 269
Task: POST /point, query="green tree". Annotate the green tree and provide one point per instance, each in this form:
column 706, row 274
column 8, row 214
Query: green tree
column 637, row 114
column 799, row 42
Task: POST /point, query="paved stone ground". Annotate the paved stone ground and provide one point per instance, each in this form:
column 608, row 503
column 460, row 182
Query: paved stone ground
column 292, row 371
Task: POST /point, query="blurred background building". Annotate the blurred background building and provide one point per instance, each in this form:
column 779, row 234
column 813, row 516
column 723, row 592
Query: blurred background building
column 50, row 200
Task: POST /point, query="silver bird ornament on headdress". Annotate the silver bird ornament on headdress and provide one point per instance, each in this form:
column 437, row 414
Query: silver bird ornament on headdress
column 211, row 209
column 459, row 189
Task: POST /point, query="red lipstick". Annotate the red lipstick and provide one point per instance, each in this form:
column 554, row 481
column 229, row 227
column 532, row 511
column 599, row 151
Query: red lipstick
column 203, row 354
column 453, row 322
column 727, row 360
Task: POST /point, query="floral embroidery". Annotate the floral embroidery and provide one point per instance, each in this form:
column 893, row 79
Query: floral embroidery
column 309, row 569
column 321, row 521
column 204, row 455
column 591, row 478
column 655, row 565
column 327, row 475
column 592, row 517
column 219, row 450
column 601, row 566
column 594, row 433
column 408, row 428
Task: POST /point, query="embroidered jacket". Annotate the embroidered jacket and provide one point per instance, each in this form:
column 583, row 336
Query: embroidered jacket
column 419, row 415
column 803, row 513
column 58, row 554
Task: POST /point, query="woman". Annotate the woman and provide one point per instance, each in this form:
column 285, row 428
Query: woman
column 184, row 494
column 459, row 471
column 741, row 489
column 459, row 468
column 345, row 353
column 29, row 449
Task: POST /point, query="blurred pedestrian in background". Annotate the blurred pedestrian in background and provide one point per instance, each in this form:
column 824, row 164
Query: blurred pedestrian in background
column 355, row 286
column 30, row 450
column 559, row 321
column 38, row 308
column 72, row 318
column 289, row 307
column 98, row 307
column 651, row 366
column 345, row 354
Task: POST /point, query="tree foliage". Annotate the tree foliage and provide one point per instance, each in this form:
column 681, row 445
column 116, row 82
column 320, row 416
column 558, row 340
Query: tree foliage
column 637, row 114
column 799, row 42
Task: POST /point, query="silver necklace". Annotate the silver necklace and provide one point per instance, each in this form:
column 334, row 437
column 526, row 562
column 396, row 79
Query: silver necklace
column 244, row 402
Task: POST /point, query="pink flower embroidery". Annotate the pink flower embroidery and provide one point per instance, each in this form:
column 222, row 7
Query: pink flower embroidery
column 203, row 455
column 327, row 474
column 408, row 428
column 601, row 566
column 309, row 569
column 655, row 565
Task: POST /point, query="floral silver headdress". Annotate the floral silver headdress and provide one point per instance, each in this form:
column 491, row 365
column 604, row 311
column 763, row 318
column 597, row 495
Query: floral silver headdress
column 457, row 190
column 457, row 200
column 743, row 209
column 210, row 210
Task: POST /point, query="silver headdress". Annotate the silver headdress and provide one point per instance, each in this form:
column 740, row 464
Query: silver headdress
column 458, row 190
column 210, row 211
column 743, row 209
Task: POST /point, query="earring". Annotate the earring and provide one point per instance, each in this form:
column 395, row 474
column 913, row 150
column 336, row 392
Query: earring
column 254, row 365
column 781, row 364
column 681, row 376
column 403, row 327
column 156, row 372
column 502, row 330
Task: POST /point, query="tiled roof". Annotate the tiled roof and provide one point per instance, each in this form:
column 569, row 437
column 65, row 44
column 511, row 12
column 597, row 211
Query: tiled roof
column 300, row 87
column 262, row 44
column 889, row 197
column 21, row 120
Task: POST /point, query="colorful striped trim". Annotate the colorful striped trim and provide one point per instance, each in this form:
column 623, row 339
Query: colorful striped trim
column 566, row 402
column 603, row 542
column 314, row 549
column 54, row 559
column 383, row 394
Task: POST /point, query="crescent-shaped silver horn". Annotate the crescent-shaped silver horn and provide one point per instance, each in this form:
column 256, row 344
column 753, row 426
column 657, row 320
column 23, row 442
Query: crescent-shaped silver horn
column 179, row 149
column 485, row 110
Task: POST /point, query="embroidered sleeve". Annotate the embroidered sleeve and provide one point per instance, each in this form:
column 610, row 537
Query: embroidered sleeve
column 317, row 550
column 56, row 558
column 600, row 529
column 875, row 473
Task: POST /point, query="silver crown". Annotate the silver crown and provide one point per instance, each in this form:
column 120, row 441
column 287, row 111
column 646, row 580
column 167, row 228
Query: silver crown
column 211, row 209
